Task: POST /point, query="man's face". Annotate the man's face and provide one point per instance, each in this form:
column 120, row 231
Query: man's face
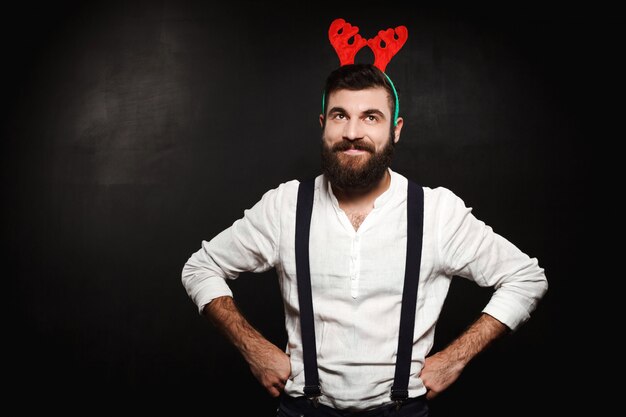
column 358, row 139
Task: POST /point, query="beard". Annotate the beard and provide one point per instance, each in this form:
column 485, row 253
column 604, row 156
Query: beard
column 359, row 173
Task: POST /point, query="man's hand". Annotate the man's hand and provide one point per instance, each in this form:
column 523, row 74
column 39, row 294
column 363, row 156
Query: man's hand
column 439, row 373
column 271, row 367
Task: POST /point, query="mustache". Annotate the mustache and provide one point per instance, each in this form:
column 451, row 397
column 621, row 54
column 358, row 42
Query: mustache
column 359, row 145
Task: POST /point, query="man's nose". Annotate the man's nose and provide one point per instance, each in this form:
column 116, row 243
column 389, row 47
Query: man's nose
column 353, row 130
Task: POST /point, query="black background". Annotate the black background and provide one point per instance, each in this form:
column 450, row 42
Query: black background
column 133, row 130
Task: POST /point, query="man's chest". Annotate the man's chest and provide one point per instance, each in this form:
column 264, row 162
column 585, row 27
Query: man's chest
column 357, row 216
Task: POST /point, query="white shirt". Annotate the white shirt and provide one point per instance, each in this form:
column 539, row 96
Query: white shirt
column 357, row 278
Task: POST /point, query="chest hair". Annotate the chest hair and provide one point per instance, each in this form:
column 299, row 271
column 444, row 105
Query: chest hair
column 356, row 218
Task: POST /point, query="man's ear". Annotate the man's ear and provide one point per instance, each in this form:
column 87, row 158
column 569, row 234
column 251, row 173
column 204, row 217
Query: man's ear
column 322, row 121
column 397, row 129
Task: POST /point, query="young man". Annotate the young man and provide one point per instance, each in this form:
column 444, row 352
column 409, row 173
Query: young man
column 358, row 255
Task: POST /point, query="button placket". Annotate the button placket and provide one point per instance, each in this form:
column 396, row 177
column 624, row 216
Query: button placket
column 355, row 267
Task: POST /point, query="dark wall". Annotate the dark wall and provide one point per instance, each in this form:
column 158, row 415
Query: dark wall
column 134, row 130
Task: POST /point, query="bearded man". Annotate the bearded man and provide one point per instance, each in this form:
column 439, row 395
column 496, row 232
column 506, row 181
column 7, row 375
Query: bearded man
column 359, row 340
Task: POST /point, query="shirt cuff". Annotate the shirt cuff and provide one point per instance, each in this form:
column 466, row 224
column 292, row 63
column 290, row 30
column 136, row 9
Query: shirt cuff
column 507, row 312
column 207, row 293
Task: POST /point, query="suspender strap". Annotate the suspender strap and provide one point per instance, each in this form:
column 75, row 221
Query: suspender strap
column 415, row 228
column 304, row 210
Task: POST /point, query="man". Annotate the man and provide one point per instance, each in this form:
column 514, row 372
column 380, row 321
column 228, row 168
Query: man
column 357, row 253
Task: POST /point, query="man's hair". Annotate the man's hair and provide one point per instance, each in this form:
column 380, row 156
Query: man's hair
column 359, row 77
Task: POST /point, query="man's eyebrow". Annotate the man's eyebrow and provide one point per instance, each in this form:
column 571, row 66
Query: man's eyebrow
column 367, row 112
column 370, row 112
column 336, row 110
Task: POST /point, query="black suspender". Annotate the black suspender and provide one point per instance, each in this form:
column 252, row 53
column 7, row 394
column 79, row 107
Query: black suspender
column 307, row 325
column 415, row 229
column 415, row 220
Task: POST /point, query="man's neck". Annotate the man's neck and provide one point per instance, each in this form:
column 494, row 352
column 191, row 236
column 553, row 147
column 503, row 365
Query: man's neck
column 362, row 198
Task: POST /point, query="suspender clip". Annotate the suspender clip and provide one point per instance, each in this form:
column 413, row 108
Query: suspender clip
column 315, row 401
column 398, row 404
column 399, row 396
column 313, row 393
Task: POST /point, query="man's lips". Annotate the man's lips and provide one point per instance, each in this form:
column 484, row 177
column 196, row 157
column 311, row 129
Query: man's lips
column 354, row 151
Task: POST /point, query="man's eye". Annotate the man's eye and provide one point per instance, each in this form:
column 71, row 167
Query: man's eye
column 340, row 116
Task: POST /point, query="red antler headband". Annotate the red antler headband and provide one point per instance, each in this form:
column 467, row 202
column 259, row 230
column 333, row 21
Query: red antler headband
column 384, row 45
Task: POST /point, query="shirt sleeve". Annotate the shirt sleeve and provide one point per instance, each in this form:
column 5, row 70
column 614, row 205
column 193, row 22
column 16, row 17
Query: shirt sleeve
column 471, row 249
column 250, row 244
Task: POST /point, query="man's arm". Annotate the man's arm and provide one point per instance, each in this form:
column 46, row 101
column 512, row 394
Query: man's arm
column 250, row 244
column 269, row 364
column 444, row 367
column 469, row 248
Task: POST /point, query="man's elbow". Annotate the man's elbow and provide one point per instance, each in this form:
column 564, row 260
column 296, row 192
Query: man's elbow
column 543, row 286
